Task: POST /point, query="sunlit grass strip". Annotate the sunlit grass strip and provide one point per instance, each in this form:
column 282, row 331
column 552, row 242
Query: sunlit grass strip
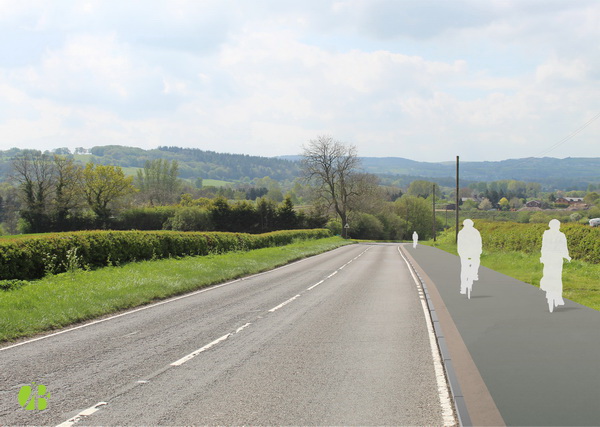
column 67, row 298
column 581, row 280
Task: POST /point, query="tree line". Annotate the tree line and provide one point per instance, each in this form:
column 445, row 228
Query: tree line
column 56, row 194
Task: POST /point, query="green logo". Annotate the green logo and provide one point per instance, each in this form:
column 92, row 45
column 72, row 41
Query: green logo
column 33, row 397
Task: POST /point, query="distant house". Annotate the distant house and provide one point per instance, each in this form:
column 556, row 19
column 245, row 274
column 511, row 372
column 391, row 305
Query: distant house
column 569, row 200
column 533, row 204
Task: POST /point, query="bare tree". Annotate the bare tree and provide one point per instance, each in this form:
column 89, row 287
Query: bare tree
column 333, row 167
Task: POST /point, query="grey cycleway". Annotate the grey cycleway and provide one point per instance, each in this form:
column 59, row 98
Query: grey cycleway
column 540, row 368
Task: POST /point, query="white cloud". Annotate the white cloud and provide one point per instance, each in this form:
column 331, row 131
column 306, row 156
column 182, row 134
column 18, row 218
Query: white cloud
column 419, row 79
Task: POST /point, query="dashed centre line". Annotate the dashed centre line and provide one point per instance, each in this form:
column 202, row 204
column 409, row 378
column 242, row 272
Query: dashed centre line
column 200, row 350
column 95, row 408
column 283, row 304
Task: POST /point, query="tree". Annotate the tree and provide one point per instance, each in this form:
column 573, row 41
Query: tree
column 332, row 166
column 504, row 204
column 68, row 193
column 423, row 189
column 103, row 184
column 416, row 213
column 286, row 215
column 34, row 172
column 158, row 181
column 486, row 205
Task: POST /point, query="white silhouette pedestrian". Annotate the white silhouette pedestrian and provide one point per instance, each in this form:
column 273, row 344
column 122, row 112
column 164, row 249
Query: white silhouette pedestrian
column 415, row 239
column 469, row 249
column 554, row 249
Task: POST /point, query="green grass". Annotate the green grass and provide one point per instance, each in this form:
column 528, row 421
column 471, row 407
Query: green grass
column 64, row 299
column 581, row 280
column 215, row 183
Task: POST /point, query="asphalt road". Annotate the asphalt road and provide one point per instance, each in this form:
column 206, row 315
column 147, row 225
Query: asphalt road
column 340, row 338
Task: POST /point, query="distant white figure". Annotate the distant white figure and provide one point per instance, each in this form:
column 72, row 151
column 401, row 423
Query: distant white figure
column 469, row 250
column 415, row 239
column 554, row 249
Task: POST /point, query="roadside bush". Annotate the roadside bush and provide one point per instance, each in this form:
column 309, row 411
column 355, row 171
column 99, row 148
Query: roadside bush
column 149, row 218
column 9, row 285
column 190, row 219
column 33, row 257
column 367, row 226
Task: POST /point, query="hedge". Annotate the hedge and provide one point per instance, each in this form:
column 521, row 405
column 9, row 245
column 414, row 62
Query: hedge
column 583, row 241
column 29, row 258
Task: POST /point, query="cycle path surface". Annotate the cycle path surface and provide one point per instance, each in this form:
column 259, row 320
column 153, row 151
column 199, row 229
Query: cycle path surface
column 516, row 363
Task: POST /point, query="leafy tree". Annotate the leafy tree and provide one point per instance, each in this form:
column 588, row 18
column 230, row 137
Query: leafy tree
column 221, row 214
column 423, row 189
column 504, row 204
column 158, row 181
column 286, row 215
column 515, row 203
column 34, row 173
column 591, row 198
column 68, row 192
column 103, row 184
column 485, row 205
column 266, row 209
column 417, row 214
column 366, row 226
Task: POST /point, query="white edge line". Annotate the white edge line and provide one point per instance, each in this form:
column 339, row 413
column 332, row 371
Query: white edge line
column 205, row 289
column 85, row 413
column 440, row 376
column 200, row 350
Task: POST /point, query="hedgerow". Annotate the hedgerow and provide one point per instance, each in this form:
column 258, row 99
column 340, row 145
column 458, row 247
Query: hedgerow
column 32, row 257
column 583, row 241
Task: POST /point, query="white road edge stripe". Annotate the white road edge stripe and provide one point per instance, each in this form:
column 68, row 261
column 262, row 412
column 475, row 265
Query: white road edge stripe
column 85, row 413
column 440, row 376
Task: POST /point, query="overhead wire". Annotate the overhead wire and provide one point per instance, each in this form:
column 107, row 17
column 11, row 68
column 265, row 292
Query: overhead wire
column 571, row 135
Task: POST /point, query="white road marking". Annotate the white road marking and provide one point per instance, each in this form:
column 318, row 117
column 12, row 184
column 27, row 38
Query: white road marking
column 283, row 303
column 200, row 350
column 315, row 285
column 85, row 413
column 241, row 328
column 440, row 376
column 146, row 307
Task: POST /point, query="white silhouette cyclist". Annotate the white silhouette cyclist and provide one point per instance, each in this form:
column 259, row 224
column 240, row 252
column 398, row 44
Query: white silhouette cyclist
column 554, row 249
column 469, row 249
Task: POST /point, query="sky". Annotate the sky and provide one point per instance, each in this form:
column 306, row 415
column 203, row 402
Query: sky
column 422, row 79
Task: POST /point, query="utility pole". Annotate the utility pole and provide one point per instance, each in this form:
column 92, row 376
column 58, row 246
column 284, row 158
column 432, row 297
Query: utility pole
column 433, row 203
column 456, row 206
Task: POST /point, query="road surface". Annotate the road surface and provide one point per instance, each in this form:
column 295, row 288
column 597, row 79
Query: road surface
column 340, row 338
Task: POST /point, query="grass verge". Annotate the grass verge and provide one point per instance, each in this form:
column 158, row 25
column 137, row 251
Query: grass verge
column 64, row 299
column 581, row 280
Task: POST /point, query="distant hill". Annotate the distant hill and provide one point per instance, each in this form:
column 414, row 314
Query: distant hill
column 193, row 163
column 569, row 173
column 566, row 174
